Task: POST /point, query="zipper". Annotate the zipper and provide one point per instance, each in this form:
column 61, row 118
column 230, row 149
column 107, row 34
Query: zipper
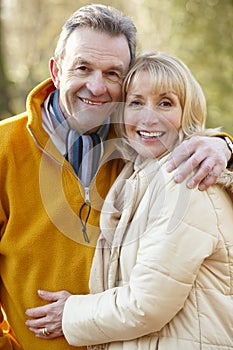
column 86, row 189
column 87, row 194
column 86, row 203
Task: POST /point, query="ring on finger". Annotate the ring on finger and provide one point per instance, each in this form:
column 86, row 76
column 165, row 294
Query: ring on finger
column 45, row 332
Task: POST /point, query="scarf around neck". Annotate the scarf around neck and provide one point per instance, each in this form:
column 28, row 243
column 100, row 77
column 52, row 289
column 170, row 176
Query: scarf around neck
column 83, row 152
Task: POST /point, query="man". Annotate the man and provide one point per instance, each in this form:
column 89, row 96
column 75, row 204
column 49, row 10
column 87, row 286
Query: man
column 58, row 163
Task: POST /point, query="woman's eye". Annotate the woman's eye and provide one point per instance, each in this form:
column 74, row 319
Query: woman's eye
column 165, row 103
column 134, row 103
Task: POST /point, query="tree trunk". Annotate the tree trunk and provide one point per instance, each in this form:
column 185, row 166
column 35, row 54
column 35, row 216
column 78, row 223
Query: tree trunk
column 5, row 109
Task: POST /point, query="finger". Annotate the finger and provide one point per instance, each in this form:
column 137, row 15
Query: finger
column 54, row 323
column 202, row 147
column 52, row 296
column 48, row 296
column 179, row 155
column 191, row 158
column 52, row 333
column 37, row 326
column 202, row 172
column 211, row 178
column 36, row 323
column 192, row 163
column 49, row 337
column 41, row 311
column 37, row 312
column 206, row 174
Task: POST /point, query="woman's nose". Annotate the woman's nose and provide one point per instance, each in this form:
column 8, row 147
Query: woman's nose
column 150, row 116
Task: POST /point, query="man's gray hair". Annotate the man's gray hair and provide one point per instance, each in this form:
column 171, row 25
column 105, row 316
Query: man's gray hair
column 101, row 18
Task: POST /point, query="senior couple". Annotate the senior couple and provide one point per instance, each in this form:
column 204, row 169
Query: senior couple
column 162, row 271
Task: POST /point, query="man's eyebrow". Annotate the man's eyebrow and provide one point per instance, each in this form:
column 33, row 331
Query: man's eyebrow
column 116, row 67
column 80, row 60
column 119, row 68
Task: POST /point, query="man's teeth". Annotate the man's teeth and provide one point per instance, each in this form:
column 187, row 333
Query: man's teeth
column 150, row 134
column 92, row 103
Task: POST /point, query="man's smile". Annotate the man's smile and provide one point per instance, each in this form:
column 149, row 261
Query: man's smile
column 90, row 102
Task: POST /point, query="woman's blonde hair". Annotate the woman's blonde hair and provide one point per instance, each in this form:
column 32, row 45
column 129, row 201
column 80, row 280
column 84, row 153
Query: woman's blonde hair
column 170, row 73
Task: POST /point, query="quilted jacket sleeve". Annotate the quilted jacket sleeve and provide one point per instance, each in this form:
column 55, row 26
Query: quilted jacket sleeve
column 170, row 254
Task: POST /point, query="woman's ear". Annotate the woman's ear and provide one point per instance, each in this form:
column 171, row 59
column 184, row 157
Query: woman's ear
column 54, row 72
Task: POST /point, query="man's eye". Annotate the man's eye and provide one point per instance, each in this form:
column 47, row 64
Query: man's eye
column 114, row 76
column 82, row 69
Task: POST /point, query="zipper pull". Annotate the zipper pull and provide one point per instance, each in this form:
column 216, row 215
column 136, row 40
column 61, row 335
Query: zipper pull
column 84, row 232
column 87, row 195
column 84, row 222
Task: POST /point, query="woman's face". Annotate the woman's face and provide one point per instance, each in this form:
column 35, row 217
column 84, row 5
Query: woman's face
column 152, row 118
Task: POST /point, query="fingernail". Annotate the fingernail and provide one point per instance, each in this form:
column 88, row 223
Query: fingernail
column 191, row 184
column 169, row 167
column 202, row 187
column 178, row 178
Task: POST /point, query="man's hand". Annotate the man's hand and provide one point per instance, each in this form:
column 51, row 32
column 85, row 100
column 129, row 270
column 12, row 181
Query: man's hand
column 46, row 321
column 207, row 155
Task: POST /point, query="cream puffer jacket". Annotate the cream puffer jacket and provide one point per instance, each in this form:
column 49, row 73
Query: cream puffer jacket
column 169, row 270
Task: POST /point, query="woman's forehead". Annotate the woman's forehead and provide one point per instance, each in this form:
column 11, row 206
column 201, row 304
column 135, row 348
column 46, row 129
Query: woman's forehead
column 156, row 80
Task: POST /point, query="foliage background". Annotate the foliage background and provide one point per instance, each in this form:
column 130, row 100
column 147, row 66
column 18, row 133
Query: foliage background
column 197, row 31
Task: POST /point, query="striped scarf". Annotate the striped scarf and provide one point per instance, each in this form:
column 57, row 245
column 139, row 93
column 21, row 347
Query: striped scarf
column 83, row 152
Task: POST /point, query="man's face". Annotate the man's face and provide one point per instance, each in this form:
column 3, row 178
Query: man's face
column 90, row 77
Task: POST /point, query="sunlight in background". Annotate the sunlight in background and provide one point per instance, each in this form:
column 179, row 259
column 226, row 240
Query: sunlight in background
column 197, row 31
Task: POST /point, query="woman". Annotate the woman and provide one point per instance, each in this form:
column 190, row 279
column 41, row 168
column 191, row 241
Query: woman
column 162, row 275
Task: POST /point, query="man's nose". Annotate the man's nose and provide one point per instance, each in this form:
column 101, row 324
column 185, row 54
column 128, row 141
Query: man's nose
column 97, row 84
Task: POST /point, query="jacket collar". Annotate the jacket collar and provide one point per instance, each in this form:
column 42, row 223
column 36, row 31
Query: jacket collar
column 35, row 100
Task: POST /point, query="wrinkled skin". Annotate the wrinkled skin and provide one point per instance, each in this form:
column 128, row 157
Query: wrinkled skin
column 208, row 154
column 49, row 316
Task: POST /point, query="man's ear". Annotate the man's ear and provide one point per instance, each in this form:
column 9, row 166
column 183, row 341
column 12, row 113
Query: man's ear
column 54, row 71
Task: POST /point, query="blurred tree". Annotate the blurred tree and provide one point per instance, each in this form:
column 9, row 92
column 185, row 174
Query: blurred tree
column 4, row 84
column 200, row 33
column 197, row 31
column 207, row 48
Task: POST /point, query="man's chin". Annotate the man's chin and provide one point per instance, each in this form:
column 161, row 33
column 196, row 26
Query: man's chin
column 85, row 127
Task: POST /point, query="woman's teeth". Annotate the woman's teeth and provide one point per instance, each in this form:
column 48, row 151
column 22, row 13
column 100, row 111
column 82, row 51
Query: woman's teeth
column 150, row 134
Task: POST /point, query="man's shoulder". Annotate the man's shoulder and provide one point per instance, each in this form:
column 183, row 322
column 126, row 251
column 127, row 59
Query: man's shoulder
column 11, row 124
column 12, row 130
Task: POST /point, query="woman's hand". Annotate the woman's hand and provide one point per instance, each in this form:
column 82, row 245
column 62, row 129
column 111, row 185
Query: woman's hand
column 207, row 155
column 46, row 321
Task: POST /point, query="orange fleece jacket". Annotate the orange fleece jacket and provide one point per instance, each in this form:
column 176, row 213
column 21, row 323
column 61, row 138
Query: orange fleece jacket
column 42, row 246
